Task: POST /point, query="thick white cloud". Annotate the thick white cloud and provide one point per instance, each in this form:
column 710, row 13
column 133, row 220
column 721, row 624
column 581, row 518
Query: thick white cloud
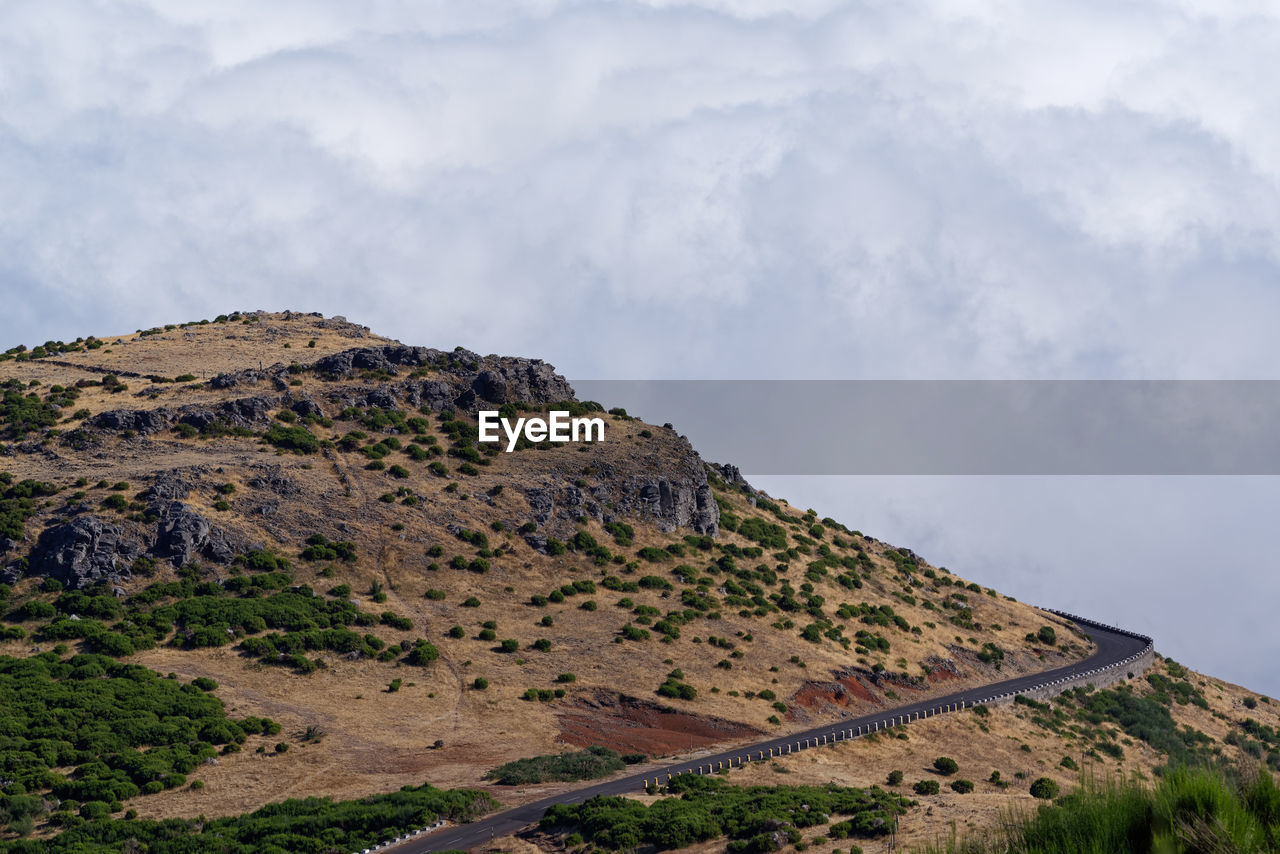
column 1052, row 189
column 661, row 189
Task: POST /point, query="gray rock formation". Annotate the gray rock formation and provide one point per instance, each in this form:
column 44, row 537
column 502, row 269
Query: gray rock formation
column 169, row 487
column 245, row 412
column 83, row 552
column 305, row 406
column 249, row 376
column 466, row 379
column 273, row 479
column 142, row 421
column 674, row 503
column 680, row 497
column 183, row 536
column 733, row 476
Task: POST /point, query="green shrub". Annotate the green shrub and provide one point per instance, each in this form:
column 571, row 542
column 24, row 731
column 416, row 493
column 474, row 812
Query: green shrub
column 319, row 548
column 106, row 709
column 422, row 653
column 1044, row 788
column 677, row 690
column 946, row 765
column 703, row 808
column 634, row 633
column 895, row 778
column 296, row 439
column 480, row 683
column 962, row 787
column 926, row 787
column 395, row 621
column 589, row 764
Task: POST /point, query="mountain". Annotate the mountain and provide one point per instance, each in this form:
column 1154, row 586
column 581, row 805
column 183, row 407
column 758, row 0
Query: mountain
column 268, row 557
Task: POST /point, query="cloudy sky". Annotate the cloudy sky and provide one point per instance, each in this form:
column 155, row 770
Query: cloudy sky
column 714, row 189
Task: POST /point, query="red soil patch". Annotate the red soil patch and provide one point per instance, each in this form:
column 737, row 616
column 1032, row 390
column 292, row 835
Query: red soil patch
column 628, row 724
column 941, row 670
column 844, row 692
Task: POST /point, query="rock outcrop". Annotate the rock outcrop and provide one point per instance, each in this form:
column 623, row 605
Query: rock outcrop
column 184, row 536
column 83, row 552
column 247, row 413
column 273, row 479
column 464, row 379
column 142, row 421
column 677, row 496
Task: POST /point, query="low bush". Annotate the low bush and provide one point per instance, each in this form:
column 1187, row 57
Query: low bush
column 589, row 764
column 1044, row 788
column 756, row 819
column 296, row 439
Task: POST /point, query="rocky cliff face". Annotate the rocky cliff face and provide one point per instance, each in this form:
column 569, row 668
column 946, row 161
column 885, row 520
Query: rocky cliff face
column 678, row 496
column 659, row 481
column 436, row 379
column 86, row 550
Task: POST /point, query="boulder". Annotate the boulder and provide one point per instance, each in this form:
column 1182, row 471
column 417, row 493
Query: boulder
column 305, row 406
column 273, row 479
column 168, row 487
column 183, row 535
column 83, row 552
column 733, row 475
column 142, row 421
column 246, row 412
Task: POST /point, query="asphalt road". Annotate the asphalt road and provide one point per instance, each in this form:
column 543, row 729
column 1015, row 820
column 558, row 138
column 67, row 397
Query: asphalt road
column 1113, row 646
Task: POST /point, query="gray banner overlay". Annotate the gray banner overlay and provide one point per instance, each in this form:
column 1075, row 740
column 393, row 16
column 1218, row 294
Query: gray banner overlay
column 960, row 427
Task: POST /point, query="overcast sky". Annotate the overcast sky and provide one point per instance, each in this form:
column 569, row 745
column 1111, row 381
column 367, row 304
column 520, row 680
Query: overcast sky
column 755, row 189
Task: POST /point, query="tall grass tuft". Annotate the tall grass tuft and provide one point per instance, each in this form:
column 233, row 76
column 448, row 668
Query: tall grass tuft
column 1190, row 810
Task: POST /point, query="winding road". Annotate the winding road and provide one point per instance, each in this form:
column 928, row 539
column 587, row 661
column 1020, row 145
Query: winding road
column 1115, row 647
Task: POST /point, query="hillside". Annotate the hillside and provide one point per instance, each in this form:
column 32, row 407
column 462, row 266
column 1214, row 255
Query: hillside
column 283, row 528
